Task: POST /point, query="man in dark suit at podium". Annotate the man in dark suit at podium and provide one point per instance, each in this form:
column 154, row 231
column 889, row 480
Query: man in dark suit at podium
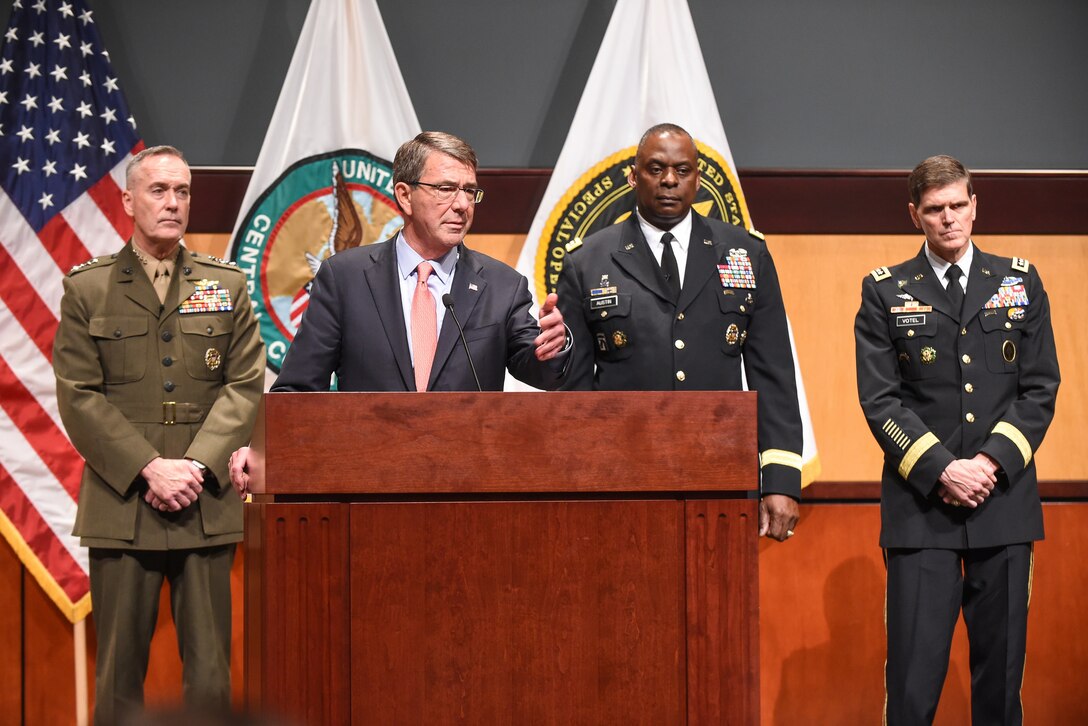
column 374, row 318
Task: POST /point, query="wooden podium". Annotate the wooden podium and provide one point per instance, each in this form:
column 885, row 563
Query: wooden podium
column 504, row 558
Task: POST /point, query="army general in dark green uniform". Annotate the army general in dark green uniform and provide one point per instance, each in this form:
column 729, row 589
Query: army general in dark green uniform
column 159, row 368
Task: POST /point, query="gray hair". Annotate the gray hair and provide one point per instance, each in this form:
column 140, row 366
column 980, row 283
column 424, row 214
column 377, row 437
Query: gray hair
column 137, row 160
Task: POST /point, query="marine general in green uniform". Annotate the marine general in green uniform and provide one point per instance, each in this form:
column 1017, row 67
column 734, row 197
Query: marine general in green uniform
column 159, row 367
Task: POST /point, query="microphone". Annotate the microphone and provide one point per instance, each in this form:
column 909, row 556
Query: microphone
column 447, row 300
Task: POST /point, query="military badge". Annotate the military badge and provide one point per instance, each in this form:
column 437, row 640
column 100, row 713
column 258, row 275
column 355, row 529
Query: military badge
column 732, row 334
column 619, row 338
column 1008, row 296
column 1010, row 280
column 929, row 355
column 1016, row 313
column 737, row 271
column 602, row 342
column 212, row 358
column 207, row 298
column 1008, row 351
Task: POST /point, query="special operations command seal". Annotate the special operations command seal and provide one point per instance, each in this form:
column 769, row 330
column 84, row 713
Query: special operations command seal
column 320, row 206
column 602, row 197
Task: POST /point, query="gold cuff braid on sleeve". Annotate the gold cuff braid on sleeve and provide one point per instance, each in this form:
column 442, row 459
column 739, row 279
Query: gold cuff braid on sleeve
column 780, row 456
column 914, row 453
column 1013, row 434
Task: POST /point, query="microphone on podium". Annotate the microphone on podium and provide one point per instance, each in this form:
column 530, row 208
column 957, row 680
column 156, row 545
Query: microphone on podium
column 447, row 300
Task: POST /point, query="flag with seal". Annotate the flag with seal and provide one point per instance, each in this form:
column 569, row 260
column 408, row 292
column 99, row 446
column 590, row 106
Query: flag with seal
column 324, row 179
column 649, row 70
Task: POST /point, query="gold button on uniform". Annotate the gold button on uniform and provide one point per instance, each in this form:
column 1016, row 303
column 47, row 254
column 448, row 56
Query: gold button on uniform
column 910, row 333
column 680, row 316
column 968, row 387
column 963, row 331
column 743, row 309
column 970, row 417
column 680, row 376
column 966, row 359
column 1008, row 326
column 679, row 345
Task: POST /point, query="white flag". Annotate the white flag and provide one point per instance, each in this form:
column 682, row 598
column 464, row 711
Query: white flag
column 649, row 70
column 324, row 178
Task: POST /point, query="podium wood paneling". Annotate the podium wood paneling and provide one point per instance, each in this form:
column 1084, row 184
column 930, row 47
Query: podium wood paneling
column 518, row 612
column 494, row 581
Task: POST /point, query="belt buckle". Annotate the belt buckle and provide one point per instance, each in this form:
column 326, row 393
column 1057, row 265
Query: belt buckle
column 169, row 412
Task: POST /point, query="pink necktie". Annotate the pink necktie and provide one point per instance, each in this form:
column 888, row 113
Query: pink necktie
column 424, row 326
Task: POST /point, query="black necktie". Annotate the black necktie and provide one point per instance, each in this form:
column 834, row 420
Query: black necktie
column 668, row 265
column 955, row 289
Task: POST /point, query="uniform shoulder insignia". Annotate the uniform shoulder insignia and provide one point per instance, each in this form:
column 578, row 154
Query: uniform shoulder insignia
column 574, row 244
column 756, row 233
column 881, row 273
column 1019, row 263
column 212, row 259
column 92, row 263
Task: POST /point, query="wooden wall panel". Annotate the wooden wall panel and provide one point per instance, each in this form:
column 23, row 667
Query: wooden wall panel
column 49, row 666
column 822, row 623
column 11, row 636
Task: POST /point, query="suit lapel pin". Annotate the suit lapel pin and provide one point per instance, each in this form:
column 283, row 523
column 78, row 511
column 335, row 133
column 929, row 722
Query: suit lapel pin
column 472, row 286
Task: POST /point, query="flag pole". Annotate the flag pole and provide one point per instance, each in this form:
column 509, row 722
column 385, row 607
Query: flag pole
column 79, row 632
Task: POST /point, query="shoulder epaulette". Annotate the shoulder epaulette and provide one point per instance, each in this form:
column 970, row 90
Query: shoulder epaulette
column 574, row 244
column 881, row 273
column 92, row 263
column 756, row 233
column 212, row 259
column 1020, row 264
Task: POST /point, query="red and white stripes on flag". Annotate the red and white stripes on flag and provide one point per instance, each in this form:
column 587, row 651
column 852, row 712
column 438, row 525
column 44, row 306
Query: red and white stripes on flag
column 65, row 138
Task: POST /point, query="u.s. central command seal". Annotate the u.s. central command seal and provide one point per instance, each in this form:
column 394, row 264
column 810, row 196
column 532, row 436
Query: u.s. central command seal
column 602, row 197
column 320, row 206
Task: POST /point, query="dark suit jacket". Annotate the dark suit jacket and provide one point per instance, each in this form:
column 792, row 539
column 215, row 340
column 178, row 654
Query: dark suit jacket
column 354, row 327
column 638, row 339
column 935, row 389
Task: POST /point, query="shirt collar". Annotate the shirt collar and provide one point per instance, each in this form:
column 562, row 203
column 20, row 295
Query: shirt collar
column 681, row 231
column 408, row 260
column 940, row 266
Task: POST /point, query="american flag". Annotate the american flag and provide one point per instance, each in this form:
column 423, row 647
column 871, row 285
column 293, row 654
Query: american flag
column 65, row 138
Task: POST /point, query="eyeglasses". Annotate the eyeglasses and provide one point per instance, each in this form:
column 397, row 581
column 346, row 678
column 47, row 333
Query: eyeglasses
column 445, row 192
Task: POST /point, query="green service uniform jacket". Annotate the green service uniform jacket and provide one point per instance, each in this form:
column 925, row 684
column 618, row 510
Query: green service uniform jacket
column 629, row 335
column 935, row 389
column 136, row 380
